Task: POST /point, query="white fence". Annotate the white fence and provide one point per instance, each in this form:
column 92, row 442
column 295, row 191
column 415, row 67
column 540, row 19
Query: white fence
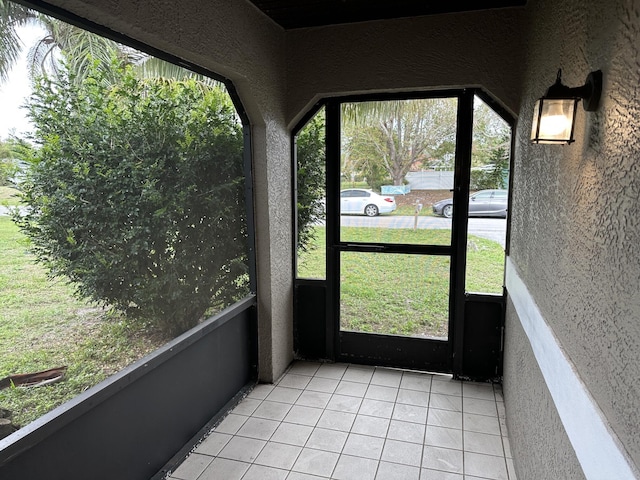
column 441, row 180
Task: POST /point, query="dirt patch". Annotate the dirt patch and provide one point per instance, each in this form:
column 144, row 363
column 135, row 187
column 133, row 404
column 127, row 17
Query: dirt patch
column 426, row 197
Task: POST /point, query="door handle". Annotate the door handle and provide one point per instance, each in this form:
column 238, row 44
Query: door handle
column 373, row 248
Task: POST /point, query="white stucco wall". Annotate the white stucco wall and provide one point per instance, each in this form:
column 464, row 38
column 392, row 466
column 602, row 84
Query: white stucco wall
column 237, row 41
column 575, row 239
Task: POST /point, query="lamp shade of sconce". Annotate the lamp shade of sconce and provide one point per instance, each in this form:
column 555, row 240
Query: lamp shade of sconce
column 554, row 114
column 553, row 120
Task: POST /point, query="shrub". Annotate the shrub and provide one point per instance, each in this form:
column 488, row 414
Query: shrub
column 311, row 157
column 136, row 194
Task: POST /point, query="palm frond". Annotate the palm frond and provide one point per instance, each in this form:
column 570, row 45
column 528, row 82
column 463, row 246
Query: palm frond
column 12, row 16
column 153, row 67
column 40, row 57
column 73, row 46
column 77, row 49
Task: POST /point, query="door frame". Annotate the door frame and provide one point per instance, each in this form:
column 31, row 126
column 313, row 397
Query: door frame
column 448, row 356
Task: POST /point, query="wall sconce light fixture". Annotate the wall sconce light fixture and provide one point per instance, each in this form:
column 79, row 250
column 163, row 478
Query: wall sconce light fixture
column 554, row 114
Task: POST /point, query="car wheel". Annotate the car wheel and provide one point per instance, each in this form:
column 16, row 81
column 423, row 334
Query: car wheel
column 371, row 210
column 447, row 211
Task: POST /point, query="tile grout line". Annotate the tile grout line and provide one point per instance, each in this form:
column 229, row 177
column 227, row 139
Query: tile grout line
column 312, row 428
column 464, row 470
column 251, row 415
column 426, row 426
column 504, row 451
column 349, row 432
column 324, row 410
column 354, row 421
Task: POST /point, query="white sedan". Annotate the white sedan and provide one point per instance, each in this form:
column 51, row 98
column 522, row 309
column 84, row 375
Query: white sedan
column 365, row 202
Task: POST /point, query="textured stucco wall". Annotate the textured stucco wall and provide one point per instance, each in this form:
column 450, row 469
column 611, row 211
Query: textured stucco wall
column 539, row 443
column 237, row 41
column 575, row 220
column 439, row 51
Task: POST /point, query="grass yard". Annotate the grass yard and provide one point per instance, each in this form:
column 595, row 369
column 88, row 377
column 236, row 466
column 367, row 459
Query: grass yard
column 410, row 211
column 9, row 197
column 400, row 293
column 42, row 326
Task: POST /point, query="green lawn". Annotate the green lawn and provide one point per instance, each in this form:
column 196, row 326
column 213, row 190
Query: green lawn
column 43, row 326
column 410, row 211
column 347, row 184
column 9, row 196
column 399, row 293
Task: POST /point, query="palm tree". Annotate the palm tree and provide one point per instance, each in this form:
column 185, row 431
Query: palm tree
column 393, row 135
column 65, row 44
column 12, row 16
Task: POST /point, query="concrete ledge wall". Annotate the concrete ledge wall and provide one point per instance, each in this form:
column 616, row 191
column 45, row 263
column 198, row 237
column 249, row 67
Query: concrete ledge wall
column 130, row 425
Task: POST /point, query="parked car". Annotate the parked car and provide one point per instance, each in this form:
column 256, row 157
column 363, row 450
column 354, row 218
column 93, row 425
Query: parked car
column 365, row 202
column 485, row 203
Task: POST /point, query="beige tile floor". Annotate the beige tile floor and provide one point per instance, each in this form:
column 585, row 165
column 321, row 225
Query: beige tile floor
column 352, row 422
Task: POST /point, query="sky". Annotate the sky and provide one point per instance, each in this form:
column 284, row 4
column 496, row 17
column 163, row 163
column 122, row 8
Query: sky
column 16, row 89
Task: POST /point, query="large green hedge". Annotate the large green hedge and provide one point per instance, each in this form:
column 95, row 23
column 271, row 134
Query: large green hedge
column 137, row 193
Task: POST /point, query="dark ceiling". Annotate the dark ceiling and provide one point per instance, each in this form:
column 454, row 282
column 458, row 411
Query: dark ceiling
column 312, row 13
